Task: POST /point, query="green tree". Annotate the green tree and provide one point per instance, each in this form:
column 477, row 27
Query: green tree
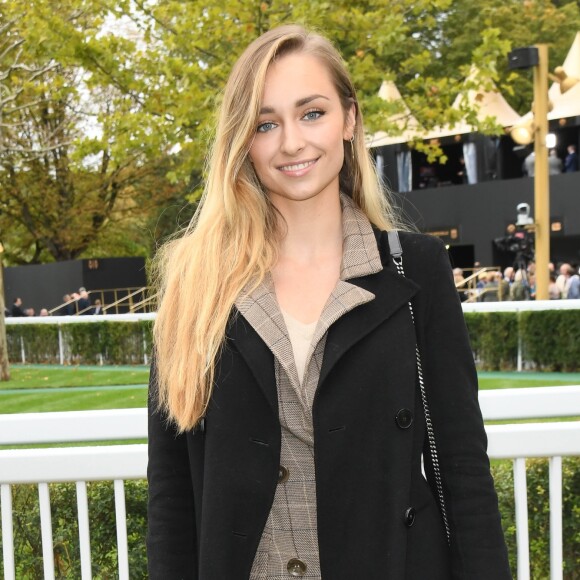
column 64, row 178
column 114, row 103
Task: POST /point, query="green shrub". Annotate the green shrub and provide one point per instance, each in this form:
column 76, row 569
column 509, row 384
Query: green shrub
column 494, row 339
column 40, row 342
column 552, row 339
column 83, row 343
column 549, row 339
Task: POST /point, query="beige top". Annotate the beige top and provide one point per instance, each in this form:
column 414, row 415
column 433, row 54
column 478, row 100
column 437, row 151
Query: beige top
column 300, row 335
column 290, row 536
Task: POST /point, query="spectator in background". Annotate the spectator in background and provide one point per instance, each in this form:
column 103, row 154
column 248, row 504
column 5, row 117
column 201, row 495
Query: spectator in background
column 571, row 161
column 554, row 163
column 532, row 285
column 503, row 287
column 98, row 307
column 520, row 289
column 83, row 302
column 67, row 307
column 562, row 281
column 508, row 275
column 459, row 279
column 553, row 290
column 43, row 312
column 29, row 312
column 490, row 292
column 17, row 308
column 573, row 284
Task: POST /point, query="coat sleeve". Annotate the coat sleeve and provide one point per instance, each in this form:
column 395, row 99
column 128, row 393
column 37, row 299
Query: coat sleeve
column 477, row 544
column 171, row 535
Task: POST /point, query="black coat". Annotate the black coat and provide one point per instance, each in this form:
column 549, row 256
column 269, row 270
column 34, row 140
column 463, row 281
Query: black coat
column 211, row 490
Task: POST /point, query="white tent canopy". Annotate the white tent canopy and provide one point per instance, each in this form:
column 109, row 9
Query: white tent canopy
column 567, row 104
column 405, row 120
column 491, row 104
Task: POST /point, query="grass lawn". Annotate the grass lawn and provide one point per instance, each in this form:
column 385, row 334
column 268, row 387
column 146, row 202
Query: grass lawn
column 489, row 380
column 44, row 376
column 42, row 388
column 73, row 400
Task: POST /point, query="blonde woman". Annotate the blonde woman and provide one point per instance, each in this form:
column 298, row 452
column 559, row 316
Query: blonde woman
column 287, row 423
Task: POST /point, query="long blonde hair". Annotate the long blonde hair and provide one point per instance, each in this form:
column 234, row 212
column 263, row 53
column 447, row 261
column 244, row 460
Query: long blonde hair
column 232, row 240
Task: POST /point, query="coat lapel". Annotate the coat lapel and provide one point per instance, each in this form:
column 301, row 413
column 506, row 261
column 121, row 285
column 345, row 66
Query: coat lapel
column 257, row 355
column 391, row 292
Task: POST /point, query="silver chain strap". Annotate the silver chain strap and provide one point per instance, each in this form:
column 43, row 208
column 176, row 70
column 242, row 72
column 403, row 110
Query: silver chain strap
column 398, row 261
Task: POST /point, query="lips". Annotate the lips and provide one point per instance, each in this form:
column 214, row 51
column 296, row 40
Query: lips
column 297, row 168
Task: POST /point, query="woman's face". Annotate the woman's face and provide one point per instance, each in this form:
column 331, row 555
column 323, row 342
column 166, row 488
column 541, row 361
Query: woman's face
column 298, row 148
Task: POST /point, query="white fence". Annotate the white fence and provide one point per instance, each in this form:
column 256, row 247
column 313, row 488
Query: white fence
column 122, row 462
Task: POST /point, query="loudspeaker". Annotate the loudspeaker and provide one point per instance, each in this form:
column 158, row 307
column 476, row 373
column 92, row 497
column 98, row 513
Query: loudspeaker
column 526, row 57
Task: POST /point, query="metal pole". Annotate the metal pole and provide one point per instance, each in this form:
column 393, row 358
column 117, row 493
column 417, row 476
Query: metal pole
column 541, row 179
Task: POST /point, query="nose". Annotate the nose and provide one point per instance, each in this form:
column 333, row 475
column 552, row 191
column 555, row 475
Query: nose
column 292, row 139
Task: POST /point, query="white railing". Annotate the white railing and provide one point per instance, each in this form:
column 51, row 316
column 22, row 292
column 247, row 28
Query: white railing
column 115, row 463
column 122, row 462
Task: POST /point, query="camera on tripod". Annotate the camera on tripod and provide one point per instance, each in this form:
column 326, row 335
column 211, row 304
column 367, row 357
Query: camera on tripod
column 519, row 239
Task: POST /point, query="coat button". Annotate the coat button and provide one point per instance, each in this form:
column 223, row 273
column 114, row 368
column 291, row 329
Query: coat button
column 410, row 516
column 283, row 474
column 296, row 567
column 404, row 418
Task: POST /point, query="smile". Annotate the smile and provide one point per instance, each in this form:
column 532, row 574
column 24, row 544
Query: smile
column 297, row 166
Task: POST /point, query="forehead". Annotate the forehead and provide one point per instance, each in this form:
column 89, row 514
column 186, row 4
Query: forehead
column 294, row 76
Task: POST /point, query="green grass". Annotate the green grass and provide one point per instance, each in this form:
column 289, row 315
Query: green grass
column 76, row 400
column 489, row 383
column 43, row 388
column 39, row 376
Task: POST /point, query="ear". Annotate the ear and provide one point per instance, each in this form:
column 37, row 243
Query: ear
column 349, row 123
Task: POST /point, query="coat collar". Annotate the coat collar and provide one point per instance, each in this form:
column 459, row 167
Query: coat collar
column 368, row 284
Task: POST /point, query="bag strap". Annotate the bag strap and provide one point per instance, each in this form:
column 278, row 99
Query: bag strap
column 396, row 252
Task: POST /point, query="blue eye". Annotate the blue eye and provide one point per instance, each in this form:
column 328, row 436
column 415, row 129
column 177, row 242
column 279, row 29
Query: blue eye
column 313, row 115
column 265, row 127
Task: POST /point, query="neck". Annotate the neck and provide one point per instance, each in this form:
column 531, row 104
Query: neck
column 313, row 229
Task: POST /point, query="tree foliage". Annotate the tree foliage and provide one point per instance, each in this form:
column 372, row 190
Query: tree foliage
column 107, row 106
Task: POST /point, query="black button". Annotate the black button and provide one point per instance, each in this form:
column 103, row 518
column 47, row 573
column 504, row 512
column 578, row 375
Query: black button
column 283, row 474
column 409, row 516
column 404, row 418
column 296, row 567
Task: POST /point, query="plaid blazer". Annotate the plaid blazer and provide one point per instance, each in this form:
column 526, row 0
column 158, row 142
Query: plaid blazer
column 291, row 529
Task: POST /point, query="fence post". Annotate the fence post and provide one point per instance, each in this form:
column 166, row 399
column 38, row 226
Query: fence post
column 522, row 532
column 22, row 351
column 145, row 357
column 7, row 532
column 60, row 345
column 556, row 552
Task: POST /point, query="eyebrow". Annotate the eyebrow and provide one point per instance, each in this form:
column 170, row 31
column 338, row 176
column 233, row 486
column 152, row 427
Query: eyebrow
column 299, row 103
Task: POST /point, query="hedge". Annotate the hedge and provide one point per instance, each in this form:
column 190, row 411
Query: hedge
column 550, row 341
column 28, row 548
column 83, row 343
